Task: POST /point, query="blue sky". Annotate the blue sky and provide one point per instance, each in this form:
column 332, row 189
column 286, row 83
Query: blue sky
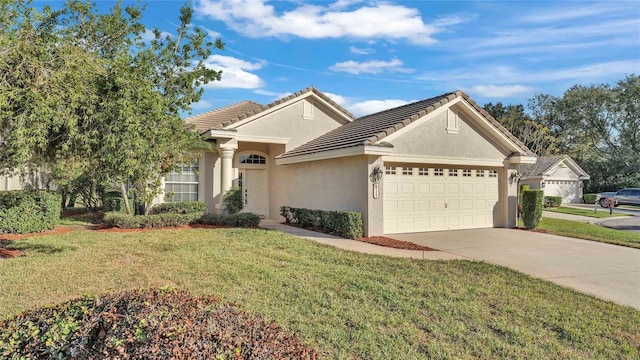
column 371, row 55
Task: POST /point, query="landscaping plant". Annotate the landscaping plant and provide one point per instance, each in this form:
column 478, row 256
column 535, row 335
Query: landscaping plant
column 552, row 201
column 532, row 208
column 26, row 211
column 147, row 324
column 232, row 200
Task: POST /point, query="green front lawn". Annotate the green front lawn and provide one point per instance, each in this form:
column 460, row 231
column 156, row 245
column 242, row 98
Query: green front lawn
column 601, row 213
column 586, row 231
column 349, row 305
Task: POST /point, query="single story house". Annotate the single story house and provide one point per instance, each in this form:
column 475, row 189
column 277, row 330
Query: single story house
column 436, row 164
column 556, row 176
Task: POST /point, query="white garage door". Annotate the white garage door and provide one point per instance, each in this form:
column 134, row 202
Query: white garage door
column 568, row 189
column 430, row 199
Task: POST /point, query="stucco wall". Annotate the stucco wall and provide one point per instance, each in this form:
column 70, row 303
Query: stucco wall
column 334, row 184
column 289, row 122
column 431, row 138
column 562, row 173
column 10, row 182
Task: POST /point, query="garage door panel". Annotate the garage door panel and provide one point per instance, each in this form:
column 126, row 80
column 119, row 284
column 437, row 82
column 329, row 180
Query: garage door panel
column 430, row 203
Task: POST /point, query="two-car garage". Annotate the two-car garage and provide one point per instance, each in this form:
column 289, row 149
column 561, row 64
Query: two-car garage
column 431, row 198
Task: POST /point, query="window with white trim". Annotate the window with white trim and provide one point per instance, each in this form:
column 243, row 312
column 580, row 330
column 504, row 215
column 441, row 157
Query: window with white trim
column 453, row 172
column 438, row 172
column 493, row 173
column 407, row 170
column 466, row 173
column 181, row 184
column 423, row 171
column 479, row 173
column 252, row 159
column 390, row 170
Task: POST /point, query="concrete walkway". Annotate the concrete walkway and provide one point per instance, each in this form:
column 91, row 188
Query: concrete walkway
column 563, row 216
column 358, row 246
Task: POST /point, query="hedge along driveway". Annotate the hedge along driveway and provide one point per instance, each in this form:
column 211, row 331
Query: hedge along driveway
column 347, row 304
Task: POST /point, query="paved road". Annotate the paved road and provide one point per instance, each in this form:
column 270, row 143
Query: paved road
column 608, row 271
column 631, row 223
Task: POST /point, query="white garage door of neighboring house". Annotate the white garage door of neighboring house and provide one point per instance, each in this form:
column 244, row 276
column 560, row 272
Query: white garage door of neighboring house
column 430, row 199
column 568, row 189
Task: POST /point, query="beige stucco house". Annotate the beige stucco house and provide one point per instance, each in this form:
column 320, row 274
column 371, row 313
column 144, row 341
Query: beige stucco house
column 556, row 176
column 437, row 164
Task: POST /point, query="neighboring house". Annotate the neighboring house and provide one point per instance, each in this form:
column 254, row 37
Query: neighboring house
column 557, row 176
column 436, row 164
column 22, row 180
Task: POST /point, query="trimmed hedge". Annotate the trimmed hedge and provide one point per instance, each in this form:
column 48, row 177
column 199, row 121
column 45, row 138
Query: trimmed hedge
column 112, row 201
column 232, row 200
column 589, row 198
column 26, row 211
column 532, row 208
column 237, row 220
column 183, row 207
column 347, row 224
column 125, row 221
column 552, row 201
column 147, row 324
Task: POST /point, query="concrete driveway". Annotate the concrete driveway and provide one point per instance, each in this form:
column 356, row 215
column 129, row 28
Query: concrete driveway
column 608, row 271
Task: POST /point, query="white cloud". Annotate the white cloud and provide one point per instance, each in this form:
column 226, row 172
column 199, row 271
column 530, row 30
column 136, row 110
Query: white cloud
column 366, row 107
column 377, row 20
column 572, row 12
column 501, row 90
column 360, row 51
column 273, row 94
column 370, row 67
column 373, row 106
column 212, row 33
column 148, row 35
column 235, row 73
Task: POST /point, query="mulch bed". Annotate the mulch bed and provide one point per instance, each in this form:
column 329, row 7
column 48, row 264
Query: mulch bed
column 8, row 252
column 393, row 243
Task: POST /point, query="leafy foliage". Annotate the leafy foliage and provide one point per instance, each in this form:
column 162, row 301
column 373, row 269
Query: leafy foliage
column 183, row 207
column 232, row 200
column 112, row 201
column 126, row 221
column 26, row 211
column 347, row 224
column 589, row 198
column 236, row 220
column 157, row 324
column 532, row 208
column 552, row 201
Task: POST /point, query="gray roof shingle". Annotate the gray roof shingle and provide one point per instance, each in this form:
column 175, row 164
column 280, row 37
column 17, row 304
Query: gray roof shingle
column 544, row 163
column 220, row 118
column 368, row 130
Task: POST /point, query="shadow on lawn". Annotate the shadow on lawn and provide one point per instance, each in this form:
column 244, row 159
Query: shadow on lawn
column 15, row 247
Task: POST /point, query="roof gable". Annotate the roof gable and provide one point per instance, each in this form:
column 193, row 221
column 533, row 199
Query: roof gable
column 372, row 129
column 546, row 164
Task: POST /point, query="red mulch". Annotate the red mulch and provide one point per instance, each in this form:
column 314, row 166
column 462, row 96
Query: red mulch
column 393, row 243
column 9, row 253
column 6, row 253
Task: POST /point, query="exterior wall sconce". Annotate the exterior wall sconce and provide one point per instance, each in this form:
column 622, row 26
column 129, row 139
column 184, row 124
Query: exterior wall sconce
column 375, row 177
column 542, row 184
column 514, row 177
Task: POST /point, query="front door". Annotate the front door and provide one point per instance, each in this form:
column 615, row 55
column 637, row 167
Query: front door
column 254, row 191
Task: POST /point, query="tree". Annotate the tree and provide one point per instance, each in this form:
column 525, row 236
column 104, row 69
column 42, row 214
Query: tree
column 88, row 86
column 534, row 135
column 599, row 126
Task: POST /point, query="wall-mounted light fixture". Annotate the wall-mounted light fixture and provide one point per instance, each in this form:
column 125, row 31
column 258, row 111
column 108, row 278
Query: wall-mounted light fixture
column 514, row 177
column 542, row 184
column 375, row 177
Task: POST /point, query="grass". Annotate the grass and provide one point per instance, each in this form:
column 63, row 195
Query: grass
column 349, row 305
column 586, row 231
column 601, row 213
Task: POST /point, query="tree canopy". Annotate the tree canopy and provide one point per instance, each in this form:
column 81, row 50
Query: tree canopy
column 84, row 87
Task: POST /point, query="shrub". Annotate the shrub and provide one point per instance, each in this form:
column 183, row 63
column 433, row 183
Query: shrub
column 232, row 200
column 112, row 201
column 552, row 201
column 589, row 198
column 183, row 207
column 126, row 221
column 347, row 224
column 147, row 324
column 532, row 208
column 25, row 211
column 237, row 220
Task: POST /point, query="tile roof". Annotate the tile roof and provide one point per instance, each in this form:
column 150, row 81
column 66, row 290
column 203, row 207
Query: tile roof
column 368, row 130
column 220, row 118
column 544, row 163
column 215, row 119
